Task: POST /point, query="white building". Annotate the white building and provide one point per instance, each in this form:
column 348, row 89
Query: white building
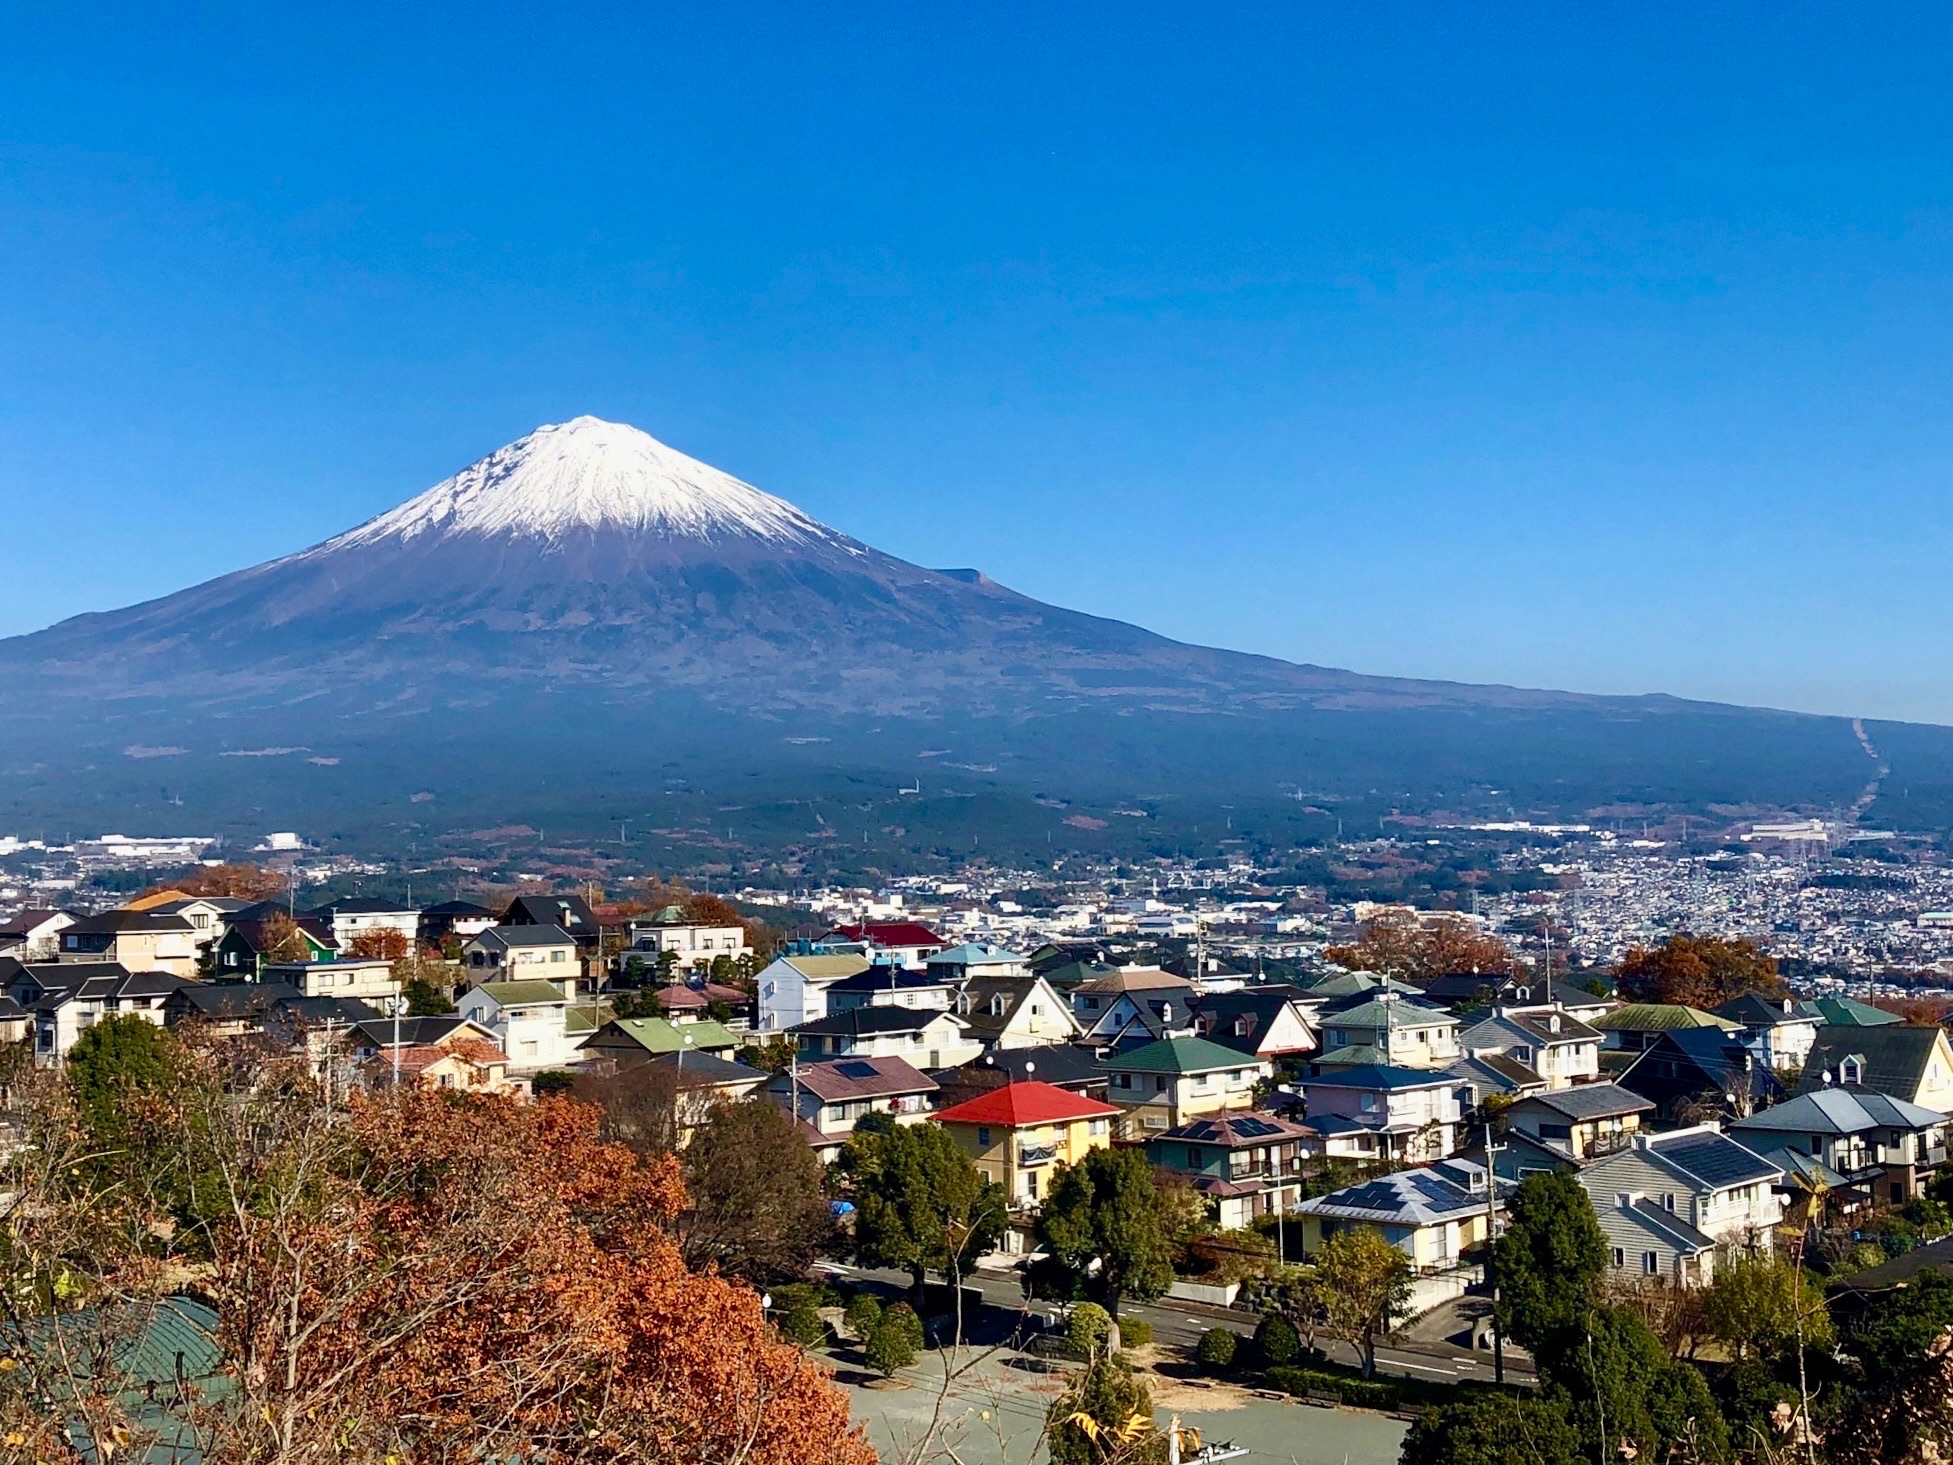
column 529, row 1018
column 793, row 989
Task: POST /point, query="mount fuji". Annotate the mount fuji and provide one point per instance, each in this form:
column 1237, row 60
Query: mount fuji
column 587, row 618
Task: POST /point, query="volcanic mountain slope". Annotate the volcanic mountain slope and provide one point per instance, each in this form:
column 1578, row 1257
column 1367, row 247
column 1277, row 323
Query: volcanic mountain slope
column 588, row 573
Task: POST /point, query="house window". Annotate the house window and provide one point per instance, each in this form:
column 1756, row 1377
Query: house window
column 1668, row 1201
column 1159, row 1084
column 983, row 1135
column 1817, row 1146
column 1620, row 1254
column 556, row 956
column 1650, row 1263
column 1193, row 1158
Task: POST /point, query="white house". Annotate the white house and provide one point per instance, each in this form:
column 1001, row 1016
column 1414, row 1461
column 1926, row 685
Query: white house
column 793, row 989
column 1550, row 1041
column 34, row 934
column 1380, row 1112
column 926, row 1037
column 354, row 977
column 831, row 1098
column 692, row 945
column 363, row 915
column 529, row 1018
column 67, row 999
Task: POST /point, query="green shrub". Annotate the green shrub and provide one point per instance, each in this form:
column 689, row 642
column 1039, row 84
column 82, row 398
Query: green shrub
column 804, row 1326
column 1135, row 1332
column 891, row 1346
column 863, row 1316
column 790, row 1295
column 1346, row 1388
column 1276, row 1341
column 1090, row 1326
column 1215, row 1350
column 902, row 1317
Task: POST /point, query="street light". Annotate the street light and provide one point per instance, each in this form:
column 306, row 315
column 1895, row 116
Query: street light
column 396, row 1004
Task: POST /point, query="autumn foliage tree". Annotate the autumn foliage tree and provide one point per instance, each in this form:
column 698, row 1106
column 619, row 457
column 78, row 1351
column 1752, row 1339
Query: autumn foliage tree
column 383, row 944
column 418, row 1277
column 1398, row 944
column 1697, row 971
column 240, row 881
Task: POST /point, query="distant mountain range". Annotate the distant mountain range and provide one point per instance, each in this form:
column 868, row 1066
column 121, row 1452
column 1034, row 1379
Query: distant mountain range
column 587, row 627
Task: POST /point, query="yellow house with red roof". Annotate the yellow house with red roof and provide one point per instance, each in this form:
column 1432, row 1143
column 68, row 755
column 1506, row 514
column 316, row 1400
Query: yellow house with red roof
column 1019, row 1133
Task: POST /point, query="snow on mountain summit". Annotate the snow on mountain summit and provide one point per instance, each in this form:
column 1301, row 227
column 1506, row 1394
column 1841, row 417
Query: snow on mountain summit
column 588, row 474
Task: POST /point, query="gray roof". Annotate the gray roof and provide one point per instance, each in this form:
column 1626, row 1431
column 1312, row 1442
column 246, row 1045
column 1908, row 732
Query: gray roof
column 1715, row 1160
column 1841, row 1111
column 1407, row 1198
column 527, row 936
column 1591, row 1101
column 870, row 1021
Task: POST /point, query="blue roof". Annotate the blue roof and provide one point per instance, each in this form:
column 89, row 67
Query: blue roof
column 980, row 952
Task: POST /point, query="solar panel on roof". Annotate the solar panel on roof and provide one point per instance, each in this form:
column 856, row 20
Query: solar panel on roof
column 855, row 1070
column 1253, row 1127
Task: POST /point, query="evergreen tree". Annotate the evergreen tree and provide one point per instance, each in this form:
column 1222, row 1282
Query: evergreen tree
column 1549, row 1262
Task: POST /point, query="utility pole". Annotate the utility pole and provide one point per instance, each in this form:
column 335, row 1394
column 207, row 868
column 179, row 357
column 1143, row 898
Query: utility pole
column 1491, row 1250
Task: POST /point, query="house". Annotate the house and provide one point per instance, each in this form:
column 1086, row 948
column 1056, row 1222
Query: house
column 142, row 941
column 691, row 944
column 958, row 965
column 225, row 1009
column 1668, row 1201
column 1692, row 1073
column 696, row 1083
column 1132, row 1005
column 889, row 986
column 570, row 914
column 1246, row 1164
column 1019, row 1133
column 924, row 1036
column 1167, row 1082
column 829, row 1098
column 1384, row 1113
column 253, row 937
column 1885, row 1148
column 1550, row 1041
column 16, row 1022
column 1579, row 1123
column 629, row 1039
column 1779, row 1030
column 1914, row 1064
column 1015, row 1012
column 358, row 916
column 1433, row 1214
column 364, row 980
column 34, row 934
column 696, row 1000
column 208, row 915
column 462, row 1066
column 321, row 1028
column 513, row 953
column 1388, row 1028
column 370, row 1038
column 68, row 998
column 891, row 943
column 1491, row 1074
column 1062, row 1065
column 1636, row 1026
column 793, row 988
column 529, row 1018
column 452, row 918
column 1267, row 1020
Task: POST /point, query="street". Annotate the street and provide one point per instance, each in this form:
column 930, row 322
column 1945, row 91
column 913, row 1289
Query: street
column 1181, row 1324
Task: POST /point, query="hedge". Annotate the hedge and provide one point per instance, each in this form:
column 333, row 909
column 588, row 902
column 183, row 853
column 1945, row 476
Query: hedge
column 1363, row 1393
column 1135, row 1332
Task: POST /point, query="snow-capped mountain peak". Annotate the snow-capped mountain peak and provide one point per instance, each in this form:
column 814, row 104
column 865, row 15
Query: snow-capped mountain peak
column 588, row 474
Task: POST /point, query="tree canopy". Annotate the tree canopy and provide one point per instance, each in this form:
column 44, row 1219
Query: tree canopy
column 1361, row 1282
column 1105, row 1226
column 1697, row 971
column 1549, row 1261
column 921, row 1204
column 1398, row 944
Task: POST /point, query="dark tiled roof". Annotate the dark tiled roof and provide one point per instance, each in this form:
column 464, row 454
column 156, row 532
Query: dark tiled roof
column 868, row 1021
column 361, row 905
column 1894, row 1057
column 1714, row 1159
column 527, row 936
column 114, row 923
column 1592, row 1101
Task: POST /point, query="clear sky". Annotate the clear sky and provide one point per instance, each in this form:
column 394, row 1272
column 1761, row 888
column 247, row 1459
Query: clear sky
column 1602, row 348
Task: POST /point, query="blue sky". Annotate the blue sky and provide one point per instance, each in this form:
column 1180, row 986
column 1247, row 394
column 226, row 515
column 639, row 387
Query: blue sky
column 1603, row 350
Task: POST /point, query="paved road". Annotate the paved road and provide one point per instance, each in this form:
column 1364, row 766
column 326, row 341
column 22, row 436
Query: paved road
column 1182, row 1323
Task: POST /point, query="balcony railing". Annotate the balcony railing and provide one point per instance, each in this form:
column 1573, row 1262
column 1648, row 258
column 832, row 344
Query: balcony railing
column 1036, row 1154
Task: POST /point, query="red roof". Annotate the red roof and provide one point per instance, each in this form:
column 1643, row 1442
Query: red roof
column 1020, row 1105
column 893, row 933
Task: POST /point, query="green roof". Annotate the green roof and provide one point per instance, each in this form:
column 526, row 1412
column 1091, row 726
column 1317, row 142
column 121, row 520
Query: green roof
column 522, row 994
column 1661, row 1017
column 659, row 1035
column 1178, row 1055
column 1844, row 1012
